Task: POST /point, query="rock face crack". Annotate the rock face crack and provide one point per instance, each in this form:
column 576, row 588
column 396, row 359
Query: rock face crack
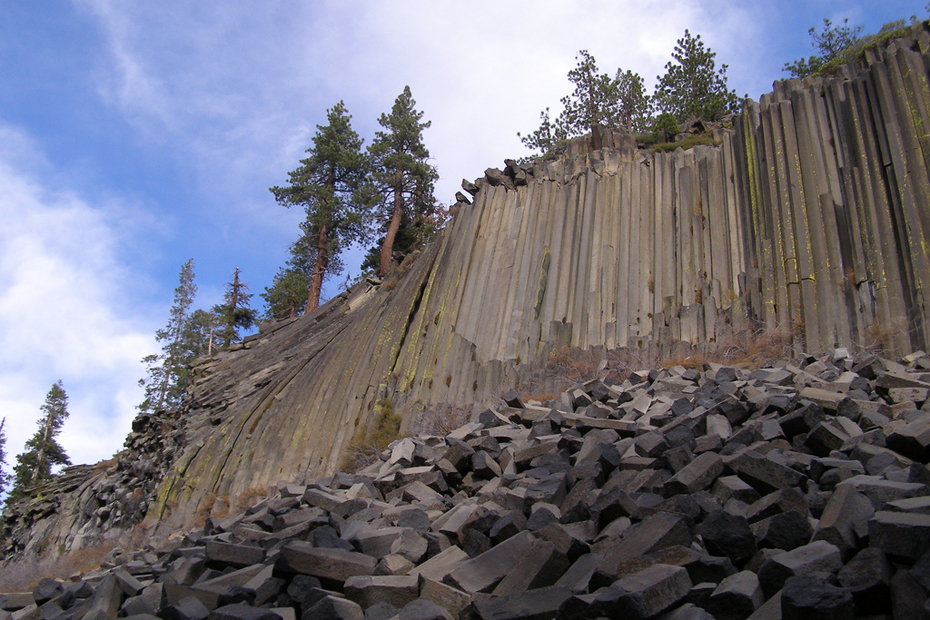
column 414, row 308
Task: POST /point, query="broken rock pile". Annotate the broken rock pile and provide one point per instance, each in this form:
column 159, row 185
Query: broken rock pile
column 789, row 492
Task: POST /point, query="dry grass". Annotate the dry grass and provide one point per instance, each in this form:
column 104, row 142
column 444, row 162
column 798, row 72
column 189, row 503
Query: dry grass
column 573, row 365
column 26, row 573
column 368, row 443
column 539, row 397
column 440, row 420
column 748, row 350
column 250, row 497
column 691, row 362
column 545, row 379
column 878, row 339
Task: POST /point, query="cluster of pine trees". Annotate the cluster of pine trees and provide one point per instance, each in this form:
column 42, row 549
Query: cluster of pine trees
column 42, row 451
column 692, row 87
column 189, row 334
column 350, row 195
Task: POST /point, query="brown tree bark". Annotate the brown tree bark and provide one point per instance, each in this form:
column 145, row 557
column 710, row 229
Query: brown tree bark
column 319, row 269
column 388, row 247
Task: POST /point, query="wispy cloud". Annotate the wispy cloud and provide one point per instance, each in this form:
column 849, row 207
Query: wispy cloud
column 64, row 308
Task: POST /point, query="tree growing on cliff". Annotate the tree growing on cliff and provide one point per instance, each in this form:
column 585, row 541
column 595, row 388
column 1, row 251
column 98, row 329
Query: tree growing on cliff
column 287, row 295
column 594, row 101
column 831, row 43
column 401, row 182
column 598, row 100
column 43, row 452
column 325, row 185
column 546, row 137
column 692, row 85
column 183, row 339
column 234, row 313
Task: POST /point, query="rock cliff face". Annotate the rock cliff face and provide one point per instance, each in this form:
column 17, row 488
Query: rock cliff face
column 811, row 217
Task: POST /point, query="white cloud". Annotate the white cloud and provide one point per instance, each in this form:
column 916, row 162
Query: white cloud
column 64, row 308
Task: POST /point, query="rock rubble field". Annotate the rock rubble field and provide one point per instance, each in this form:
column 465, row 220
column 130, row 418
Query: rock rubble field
column 796, row 491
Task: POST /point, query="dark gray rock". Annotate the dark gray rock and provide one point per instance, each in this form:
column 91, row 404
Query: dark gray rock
column 728, row 535
column 189, row 608
column 868, row 578
column 808, row 596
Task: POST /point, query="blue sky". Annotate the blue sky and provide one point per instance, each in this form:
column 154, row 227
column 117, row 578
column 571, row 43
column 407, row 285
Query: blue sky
column 136, row 135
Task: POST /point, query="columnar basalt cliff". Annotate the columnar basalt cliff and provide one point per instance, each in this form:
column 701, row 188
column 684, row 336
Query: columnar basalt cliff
column 811, row 217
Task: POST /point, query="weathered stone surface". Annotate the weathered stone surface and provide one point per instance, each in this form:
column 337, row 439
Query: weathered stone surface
column 699, row 474
column 728, row 535
column 808, row 596
column 786, row 530
column 643, row 594
column 335, row 564
column 242, row 612
column 737, row 597
column 233, row 555
column 900, row 534
column 334, row 608
column 816, row 557
column 534, row 605
column 483, row 573
column 764, row 474
column 655, row 533
column 368, row 590
column 868, row 578
column 189, row 608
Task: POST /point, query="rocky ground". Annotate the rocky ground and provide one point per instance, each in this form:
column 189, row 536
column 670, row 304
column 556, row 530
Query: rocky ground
column 798, row 491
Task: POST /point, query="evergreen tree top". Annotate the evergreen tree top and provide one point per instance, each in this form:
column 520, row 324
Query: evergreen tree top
column 692, row 85
column 335, row 160
column 326, row 181
column 401, row 146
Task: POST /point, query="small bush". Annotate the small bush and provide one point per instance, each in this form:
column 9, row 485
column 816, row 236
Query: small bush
column 665, row 127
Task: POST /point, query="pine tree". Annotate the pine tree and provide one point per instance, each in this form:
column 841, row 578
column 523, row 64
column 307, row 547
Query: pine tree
column 234, row 313
column 832, row 42
column 402, row 178
column 598, row 100
column 325, row 185
column 632, row 101
column 287, row 295
column 4, row 476
column 692, row 86
column 43, row 452
column 592, row 103
column 169, row 372
column 547, row 137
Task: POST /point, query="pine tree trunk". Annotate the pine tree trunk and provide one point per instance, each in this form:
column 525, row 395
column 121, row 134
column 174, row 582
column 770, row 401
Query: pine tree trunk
column 319, row 269
column 388, row 248
column 596, row 143
column 40, row 457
